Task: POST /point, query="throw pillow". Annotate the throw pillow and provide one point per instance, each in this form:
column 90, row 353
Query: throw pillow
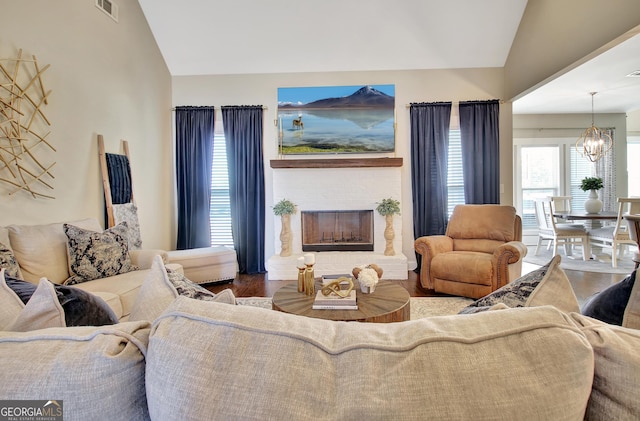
column 161, row 287
column 80, row 308
column 188, row 288
column 8, row 261
column 610, row 304
column 547, row 285
column 10, row 303
column 42, row 311
column 94, row 255
column 128, row 212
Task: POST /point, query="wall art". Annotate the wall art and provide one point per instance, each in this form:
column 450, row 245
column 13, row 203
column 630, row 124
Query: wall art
column 25, row 152
column 336, row 119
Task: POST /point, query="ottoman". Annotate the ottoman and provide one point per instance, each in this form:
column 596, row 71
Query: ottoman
column 206, row 265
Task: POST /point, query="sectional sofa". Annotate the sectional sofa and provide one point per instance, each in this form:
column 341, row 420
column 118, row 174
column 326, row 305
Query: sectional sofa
column 183, row 358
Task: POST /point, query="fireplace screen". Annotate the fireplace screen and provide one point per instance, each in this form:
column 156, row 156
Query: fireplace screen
column 337, row 230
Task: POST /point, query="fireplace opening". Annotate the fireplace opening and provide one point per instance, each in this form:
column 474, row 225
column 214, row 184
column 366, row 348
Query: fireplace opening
column 337, row 230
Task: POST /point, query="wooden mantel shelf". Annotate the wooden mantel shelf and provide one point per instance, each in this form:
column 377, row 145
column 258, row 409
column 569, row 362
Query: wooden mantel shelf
column 336, row 163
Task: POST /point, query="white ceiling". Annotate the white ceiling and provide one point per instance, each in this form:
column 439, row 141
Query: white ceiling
column 605, row 74
column 209, row 37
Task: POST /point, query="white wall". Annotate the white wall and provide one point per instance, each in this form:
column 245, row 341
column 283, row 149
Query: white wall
column 106, row 78
column 410, row 86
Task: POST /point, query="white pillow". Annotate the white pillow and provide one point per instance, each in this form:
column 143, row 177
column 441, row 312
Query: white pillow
column 159, row 290
column 155, row 295
column 10, row 304
column 43, row 310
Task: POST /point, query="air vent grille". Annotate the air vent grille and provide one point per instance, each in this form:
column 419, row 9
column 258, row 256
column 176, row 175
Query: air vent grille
column 109, row 8
column 634, row 74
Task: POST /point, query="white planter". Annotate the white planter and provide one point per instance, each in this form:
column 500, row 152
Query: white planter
column 593, row 204
column 367, row 290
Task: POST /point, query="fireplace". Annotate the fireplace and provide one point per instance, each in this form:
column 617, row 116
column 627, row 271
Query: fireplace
column 333, row 230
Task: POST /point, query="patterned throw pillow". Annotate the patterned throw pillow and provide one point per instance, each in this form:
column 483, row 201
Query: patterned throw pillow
column 190, row 289
column 94, row 255
column 9, row 262
column 128, row 212
column 547, row 285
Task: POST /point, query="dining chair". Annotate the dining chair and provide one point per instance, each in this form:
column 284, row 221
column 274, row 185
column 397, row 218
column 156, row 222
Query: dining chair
column 563, row 204
column 567, row 235
column 616, row 236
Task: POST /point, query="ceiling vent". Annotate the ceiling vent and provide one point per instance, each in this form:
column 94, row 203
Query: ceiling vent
column 634, row 74
column 108, row 7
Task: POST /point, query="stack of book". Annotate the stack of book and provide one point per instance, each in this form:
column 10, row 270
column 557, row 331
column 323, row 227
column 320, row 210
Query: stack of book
column 335, row 302
column 327, row 279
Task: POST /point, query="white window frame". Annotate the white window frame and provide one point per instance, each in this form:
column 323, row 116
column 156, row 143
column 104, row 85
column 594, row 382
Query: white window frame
column 564, row 188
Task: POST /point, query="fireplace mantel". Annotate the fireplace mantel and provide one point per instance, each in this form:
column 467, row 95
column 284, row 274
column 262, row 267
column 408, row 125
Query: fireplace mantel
column 336, row 163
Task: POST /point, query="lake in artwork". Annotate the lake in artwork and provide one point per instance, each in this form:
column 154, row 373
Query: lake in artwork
column 345, row 119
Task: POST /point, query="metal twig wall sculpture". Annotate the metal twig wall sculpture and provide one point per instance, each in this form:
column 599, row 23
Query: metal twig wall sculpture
column 24, row 127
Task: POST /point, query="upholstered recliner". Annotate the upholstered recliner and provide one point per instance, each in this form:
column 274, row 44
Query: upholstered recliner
column 481, row 251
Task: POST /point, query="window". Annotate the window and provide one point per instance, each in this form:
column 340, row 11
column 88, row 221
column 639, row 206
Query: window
column 220, row 207
column 633, row 156
column 547, row 167
column 455, row 179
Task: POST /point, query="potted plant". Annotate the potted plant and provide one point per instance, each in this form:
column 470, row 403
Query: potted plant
column 388, row 208
column 284, row 209
column 592, row 184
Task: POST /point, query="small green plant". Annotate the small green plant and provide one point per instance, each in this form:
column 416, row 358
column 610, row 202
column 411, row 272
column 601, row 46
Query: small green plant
column 591, row 183
column 388, row 207
column 284, row 207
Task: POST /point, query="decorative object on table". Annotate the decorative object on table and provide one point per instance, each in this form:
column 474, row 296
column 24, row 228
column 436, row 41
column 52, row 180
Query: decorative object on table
column 368, row 277
column 388, row 208
column 335, row 302
column 594, row 143
column 328, row 278
column 284, row 209
column 592, row 185
column 301, row 270
column 24, row 147
column 309, row 277
column 335, row 287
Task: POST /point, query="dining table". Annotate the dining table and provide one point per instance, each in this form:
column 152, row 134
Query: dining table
column 592, row 220
column 583, row 216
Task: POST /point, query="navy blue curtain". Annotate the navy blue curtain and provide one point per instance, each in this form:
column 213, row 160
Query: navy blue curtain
column 429, row 166
column 480, row 137
column 194, row 157
column 243, row 134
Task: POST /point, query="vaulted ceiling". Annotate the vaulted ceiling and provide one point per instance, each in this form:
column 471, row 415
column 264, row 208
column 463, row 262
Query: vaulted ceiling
column 206, row 37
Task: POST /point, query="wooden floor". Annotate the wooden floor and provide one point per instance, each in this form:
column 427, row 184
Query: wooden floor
column 584, row 284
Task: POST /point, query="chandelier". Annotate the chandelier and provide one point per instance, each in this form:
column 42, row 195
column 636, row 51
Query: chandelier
column 594, row 143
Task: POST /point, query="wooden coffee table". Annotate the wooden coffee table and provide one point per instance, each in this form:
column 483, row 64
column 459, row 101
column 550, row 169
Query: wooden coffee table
column 389, row 303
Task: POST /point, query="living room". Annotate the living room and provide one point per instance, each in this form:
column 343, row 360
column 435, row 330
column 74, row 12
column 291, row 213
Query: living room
column 110, row 78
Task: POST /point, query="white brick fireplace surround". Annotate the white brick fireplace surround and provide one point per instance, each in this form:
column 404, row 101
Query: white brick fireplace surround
column 314, row 189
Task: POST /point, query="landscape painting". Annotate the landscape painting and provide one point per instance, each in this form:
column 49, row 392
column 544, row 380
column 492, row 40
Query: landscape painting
column 336, row 119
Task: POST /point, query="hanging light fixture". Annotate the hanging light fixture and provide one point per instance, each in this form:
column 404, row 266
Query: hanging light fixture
column 594, row 143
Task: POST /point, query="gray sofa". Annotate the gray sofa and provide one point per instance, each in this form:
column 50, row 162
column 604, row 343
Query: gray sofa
column 183, row 358
column 207, row 360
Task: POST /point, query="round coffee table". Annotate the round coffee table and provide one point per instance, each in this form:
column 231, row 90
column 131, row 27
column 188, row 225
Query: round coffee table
column 389, row 303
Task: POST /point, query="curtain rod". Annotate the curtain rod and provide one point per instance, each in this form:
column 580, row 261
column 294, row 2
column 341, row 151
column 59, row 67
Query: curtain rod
column 501, row 101
column 218, row 108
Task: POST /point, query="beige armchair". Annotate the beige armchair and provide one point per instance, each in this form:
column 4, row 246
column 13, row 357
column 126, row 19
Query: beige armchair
column 481, row 251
